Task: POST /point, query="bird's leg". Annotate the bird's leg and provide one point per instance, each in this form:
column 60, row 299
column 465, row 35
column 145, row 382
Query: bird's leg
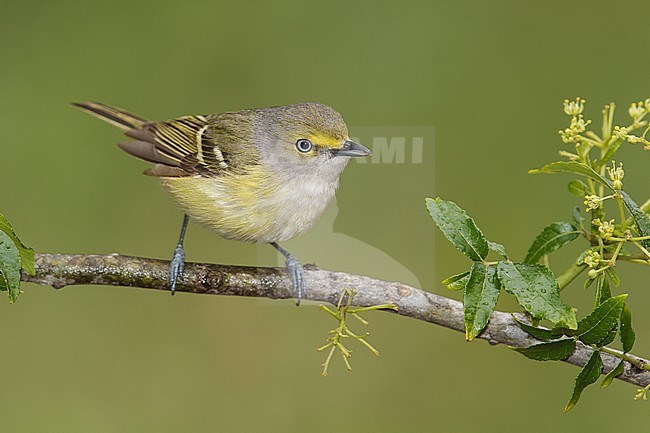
column 295, row 270
column 178, row 260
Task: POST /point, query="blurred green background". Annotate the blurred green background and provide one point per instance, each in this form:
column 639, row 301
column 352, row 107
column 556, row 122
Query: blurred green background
column 488, row 77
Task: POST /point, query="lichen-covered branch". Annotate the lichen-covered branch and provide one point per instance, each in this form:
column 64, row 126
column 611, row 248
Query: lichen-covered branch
column 59, row 270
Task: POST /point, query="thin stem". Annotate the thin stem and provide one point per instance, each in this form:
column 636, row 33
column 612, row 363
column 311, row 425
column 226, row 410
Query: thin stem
column 326, row 364
column 609, row 256
column 591, row 141
column 595, row 137
column 639, row 238
column 645, row 262
column 612, row 260
column 601, row 247
column 591, row 184
column 610, row 118
column 617, row 353
column 373, row 307
column 569, row 275
column 645, row 132
column 621, row 209
column 328, row 311
column 642, row 248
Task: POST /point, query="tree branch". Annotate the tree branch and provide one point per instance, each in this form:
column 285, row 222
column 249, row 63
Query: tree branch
column 59, row 270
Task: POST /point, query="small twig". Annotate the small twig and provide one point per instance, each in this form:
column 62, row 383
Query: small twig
column 342, row 331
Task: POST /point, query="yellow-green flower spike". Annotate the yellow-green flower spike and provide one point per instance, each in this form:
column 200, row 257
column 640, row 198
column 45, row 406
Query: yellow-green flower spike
column 574, row 108
column 577, row 126
column 642, row 393
column 637, row 110
column 616, row 174
column 592, row 202
column 592, row 259
column 606, row 229
column 341, row 332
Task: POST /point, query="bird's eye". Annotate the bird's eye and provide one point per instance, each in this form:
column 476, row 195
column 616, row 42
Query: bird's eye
column 303, row 145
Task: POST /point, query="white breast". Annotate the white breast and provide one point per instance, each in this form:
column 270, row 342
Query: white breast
column 300, row 203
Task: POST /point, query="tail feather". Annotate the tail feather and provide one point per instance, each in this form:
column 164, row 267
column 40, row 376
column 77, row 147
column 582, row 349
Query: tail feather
column 115, row 116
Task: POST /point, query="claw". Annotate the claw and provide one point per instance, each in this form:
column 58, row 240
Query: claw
column 297, row 277
column 178, row 260
column 176, row 266
column 296, row 272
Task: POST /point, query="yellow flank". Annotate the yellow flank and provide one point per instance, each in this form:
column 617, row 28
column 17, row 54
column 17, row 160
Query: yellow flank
column 238, row 207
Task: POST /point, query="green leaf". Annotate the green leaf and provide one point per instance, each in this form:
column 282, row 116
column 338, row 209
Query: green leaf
column 10, row 267
column 578, row 187
column 560, row 329
column 456, row 282
column 3, row 281
column 611, row 335
column 626, row 332
column 480, row 298
column 616, row 371
column 498, row 248
column 613, row 276
column 539, row 333
column 550, row 239
column 572, row 167
column 588, row 375
column 535, row 288
column 603, row 292
column 458, row 227
column 553, row 351
column 576, row 217
column 596, row 326
column 26, row 253
column 580, row 260
column 641, row 218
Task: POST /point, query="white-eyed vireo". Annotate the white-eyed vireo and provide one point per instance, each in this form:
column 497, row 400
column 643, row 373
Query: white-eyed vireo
column 263, row 175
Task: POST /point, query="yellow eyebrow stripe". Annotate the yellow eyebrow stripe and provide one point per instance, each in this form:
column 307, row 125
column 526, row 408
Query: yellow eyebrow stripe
column 328, row 141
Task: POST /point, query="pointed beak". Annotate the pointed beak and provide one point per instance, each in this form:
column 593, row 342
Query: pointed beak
column 350, row 148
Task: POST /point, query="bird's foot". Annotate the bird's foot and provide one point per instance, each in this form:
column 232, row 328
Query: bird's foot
column 176, row 267
column 297, row 276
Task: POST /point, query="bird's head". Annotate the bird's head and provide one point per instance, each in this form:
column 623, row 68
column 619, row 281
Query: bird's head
column 307, row 138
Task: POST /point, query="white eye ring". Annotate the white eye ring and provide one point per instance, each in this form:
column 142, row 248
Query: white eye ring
column 303, row 145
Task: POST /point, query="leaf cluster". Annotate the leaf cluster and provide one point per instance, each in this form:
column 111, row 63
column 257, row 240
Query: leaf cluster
column 533, row 285
column 625, row 238
column 14, row 256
